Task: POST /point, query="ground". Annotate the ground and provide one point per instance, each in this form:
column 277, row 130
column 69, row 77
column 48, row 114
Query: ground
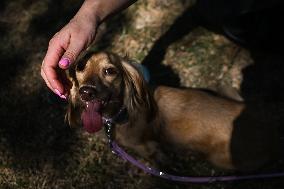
column 39, row 150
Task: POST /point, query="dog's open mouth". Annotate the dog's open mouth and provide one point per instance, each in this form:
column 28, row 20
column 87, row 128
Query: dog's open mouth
column 92, row 116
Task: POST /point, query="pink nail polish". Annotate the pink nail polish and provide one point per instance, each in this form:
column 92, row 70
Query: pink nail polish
column 64, row 62
column 57, row 92
column 63, row 97
column 60, row 95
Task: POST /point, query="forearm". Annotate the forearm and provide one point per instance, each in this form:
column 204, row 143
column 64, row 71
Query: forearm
column 102, row 9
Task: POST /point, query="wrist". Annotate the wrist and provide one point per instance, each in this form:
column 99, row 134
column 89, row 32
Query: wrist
column 90, row 10
column 102, row 9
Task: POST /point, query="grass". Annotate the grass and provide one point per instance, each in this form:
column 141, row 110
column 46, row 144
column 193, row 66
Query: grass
column 38, row 150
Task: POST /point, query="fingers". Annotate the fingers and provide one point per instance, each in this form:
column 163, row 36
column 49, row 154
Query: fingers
column 62, row 51
column 56, row 91
column 64, row 48
column 50, row 65
column 72, row 52
column 45, row 79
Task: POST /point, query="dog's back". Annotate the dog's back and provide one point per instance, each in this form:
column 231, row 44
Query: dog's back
column 199, row 121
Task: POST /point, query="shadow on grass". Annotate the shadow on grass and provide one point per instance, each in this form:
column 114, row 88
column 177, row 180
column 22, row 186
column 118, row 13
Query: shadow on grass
column 161, row 74
column 32, row 129
column 57, row 14
column 33, row 134
column 258, row 131
column 3, row 4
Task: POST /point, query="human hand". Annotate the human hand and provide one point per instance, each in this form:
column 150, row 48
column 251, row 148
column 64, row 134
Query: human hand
column 71, row 40
column 63, row 50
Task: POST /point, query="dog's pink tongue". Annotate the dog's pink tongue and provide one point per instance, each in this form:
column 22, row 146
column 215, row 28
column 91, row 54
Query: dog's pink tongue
column 91, row 117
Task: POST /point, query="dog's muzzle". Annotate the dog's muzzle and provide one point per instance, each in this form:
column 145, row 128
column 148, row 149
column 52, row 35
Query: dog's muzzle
column 87, row 93
column 91, row 116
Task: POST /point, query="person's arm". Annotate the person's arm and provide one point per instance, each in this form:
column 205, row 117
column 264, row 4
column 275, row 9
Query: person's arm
column 73, row 38
column 106, row 8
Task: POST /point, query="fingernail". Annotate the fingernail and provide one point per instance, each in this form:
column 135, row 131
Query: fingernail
column 64, row 62
column 60, row 95
column 63, row 97
column 57, row 92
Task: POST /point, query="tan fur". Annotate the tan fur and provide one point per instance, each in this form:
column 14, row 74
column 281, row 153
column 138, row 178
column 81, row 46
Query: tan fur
column 199, row 122
column 187, row 119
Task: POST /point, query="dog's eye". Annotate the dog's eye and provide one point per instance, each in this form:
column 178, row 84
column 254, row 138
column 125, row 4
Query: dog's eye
column 110, row 71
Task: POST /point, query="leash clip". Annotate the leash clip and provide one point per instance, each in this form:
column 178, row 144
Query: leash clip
column 109, row 131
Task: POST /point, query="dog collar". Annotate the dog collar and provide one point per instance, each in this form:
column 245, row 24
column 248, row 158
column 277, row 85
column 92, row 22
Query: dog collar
column 143, row 70
column 120, row 117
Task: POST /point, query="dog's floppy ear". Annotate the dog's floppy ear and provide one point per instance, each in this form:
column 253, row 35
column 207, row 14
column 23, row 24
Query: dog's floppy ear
column 72, row 116
column 137, row 95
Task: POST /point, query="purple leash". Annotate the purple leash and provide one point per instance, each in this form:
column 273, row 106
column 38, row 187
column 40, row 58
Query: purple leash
column 109, row 123
column 191, row 179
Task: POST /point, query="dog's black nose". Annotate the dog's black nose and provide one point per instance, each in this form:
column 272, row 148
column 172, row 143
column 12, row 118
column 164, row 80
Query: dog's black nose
column 87, row 93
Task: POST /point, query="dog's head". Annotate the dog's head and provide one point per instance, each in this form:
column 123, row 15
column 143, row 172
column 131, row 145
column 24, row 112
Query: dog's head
column 103, row 83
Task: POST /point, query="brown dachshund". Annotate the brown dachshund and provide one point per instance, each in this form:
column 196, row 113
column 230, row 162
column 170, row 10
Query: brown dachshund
column 189, row 120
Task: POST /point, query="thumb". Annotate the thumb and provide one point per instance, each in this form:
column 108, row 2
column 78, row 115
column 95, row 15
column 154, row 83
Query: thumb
column 71, row 54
